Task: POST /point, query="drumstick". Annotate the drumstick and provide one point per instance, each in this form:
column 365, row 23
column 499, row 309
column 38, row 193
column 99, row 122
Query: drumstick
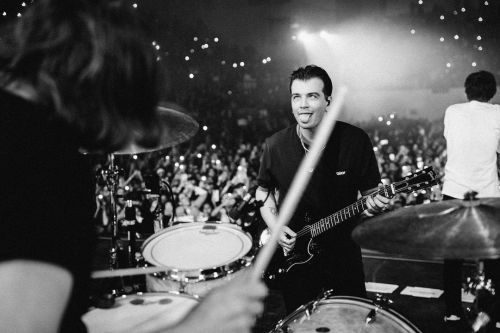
column 299, row 183
column 128, row 272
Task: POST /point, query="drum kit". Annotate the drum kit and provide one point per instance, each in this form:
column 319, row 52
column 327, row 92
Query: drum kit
column 186, row 261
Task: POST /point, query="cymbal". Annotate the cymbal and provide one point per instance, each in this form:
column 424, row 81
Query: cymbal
column 452, row 229
column 177, row 127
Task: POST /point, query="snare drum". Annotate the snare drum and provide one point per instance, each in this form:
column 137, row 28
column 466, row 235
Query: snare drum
column 342, row 314
column 136, row 312
column 200, row 256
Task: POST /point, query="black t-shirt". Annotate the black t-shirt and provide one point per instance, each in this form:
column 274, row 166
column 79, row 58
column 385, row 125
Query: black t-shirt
column 47, row 197
column 348, row 165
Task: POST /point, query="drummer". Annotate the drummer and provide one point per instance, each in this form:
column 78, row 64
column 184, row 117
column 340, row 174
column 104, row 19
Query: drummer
column 77, row 74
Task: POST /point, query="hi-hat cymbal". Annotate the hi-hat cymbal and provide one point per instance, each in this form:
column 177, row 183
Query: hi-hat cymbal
column 452, row 229
column 177, row 127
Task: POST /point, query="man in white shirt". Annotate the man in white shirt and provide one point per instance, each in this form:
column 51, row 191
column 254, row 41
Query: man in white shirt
column 472, row 132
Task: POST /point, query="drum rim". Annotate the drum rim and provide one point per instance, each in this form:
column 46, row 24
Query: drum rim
column 205, row 274
column 303, row 307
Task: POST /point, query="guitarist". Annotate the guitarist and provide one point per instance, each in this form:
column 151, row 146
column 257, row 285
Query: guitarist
column 346, row 169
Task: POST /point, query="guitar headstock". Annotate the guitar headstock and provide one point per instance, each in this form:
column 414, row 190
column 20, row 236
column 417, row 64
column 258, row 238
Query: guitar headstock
column 421, row 179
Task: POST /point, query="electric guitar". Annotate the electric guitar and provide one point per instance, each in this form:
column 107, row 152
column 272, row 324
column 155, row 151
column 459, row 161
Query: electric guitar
column 305, row 248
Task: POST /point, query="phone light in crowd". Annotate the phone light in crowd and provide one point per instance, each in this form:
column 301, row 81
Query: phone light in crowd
column 18, row 14
column 134, row 157
column 191, row 75
column 392, row 157
column 216, row 39
column 412, row 31
column 127, row 188
column 192, row 51
column 134, row 5
column 480, row 48
column 186, row 58
column 480, row 19
column 384, row 142
column 217, row 162
column 176, row 164
column 229, row 92
column 486, row 3
column 195, row 39
column 167, row 157
column 268, row 59
column 4, row 14
column 182, row 166
column 478, row 37
column 456, row 37
column 100, row 196
column 157, row 46
column 380, row 118
column 264, row 61
column 463, row 9
column 448, row 65
column 391, row 116
column 441, row 17
column 242, row 64
column 294, row 37
column 474, row 64
column 198, row 155
column 204, row 178
column 388, row 123
column 214, row 146
column 223, row 62
column 441, row 39
column 181, row 158
column 23, row 4
column 375, row 149
column 235, row 65
column 420, row 2
column 205, row 128
column 239, row 167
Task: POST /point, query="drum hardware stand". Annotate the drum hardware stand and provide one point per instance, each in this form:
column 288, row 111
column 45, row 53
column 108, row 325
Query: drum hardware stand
column 484, row 291
column 111, row 175
column 380, row 302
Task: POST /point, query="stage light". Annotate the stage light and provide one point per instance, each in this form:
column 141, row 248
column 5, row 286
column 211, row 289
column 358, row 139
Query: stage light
column 191, row 76
column 235, row 65
column 264, row 61
column 198, row 155
column 186, row 58
column 216, row 39
column 157, row 46
column 134, row 5
column 388, row 123
column 181, row 158
column 478, row 37
column 480, row 19
column 441, row 39
column 304, row 36
column 391, row 116
column 214, row 146
column 268, row 59
column 195, row 39
column 205, row 128
column 441, row 17
column 474, row 64
column 463, row 9
column 480, row 48
column 380, row 118
column 456, row 37
column 134, row 157
column 242, row 64
column 448, row 65
column 412, row 31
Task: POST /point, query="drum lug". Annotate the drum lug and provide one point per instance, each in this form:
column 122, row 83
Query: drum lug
column 380, row 302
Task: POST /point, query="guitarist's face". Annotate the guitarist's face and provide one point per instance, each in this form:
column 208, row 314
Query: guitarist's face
column 308, row 102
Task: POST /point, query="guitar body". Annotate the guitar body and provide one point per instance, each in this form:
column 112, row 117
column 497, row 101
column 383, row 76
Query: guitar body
column 303, row 252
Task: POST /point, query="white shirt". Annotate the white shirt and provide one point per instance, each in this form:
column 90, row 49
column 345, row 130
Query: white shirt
column 472, row 132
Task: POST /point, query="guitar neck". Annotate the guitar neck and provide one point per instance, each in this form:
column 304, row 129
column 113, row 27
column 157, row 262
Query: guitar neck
column 338, row 217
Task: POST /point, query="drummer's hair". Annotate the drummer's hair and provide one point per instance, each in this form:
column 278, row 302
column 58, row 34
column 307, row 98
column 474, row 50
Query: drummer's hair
column 480, row 86
column 91, row 61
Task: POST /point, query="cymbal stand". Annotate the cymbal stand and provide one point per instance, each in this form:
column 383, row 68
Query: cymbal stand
column 111, row 174
column 484, row 292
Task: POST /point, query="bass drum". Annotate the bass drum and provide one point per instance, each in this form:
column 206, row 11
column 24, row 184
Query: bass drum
column 342, row 314
column 135, row 313
column 198, row 257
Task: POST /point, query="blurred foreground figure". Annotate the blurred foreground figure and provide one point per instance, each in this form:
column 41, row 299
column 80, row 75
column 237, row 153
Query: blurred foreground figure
column 77, row 75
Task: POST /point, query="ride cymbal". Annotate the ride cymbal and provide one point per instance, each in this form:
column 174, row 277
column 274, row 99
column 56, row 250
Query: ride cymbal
column 452, row 229
column 177, row 127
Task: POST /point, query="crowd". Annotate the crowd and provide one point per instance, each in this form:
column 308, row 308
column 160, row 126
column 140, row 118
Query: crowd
column 203, row 181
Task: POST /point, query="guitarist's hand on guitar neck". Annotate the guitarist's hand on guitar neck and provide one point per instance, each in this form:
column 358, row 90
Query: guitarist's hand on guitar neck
column 287, row 240
column 376, row 203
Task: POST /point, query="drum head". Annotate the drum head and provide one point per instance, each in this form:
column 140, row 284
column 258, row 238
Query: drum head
column 346, row 315
column 197, row 246
column 138, row 311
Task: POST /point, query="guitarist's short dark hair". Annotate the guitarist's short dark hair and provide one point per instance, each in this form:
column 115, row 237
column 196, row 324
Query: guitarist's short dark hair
column 312, row 71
